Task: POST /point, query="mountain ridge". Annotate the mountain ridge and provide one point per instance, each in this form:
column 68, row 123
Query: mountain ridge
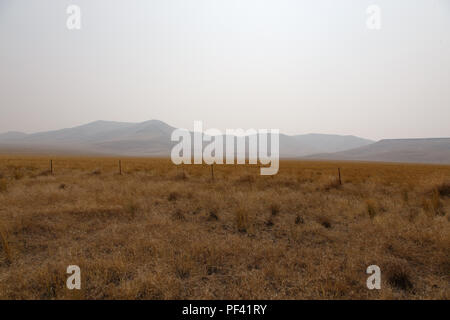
column 152, row 138
column 416, row 150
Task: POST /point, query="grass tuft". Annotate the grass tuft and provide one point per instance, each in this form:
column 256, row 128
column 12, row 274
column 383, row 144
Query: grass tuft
column 325, row 221
column 173, row 196
column 96, row 172
column 5, row 245
column 333, row 184
column 242, row 219
column 299, row 220
column 274, row 209
column 181, row 176
column 401, row 280
column 178, row 215
column 371, row 208
column 444, row 189
column 213, row 215
column 3, row 185
column 246, row 178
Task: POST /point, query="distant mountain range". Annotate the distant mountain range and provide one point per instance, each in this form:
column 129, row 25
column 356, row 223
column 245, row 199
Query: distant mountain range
column 152, row 138
column 435, row 150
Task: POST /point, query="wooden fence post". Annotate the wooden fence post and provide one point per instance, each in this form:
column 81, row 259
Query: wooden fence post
column 120, row 167
column 212, row 172
column 51, row 166
column 339, row 171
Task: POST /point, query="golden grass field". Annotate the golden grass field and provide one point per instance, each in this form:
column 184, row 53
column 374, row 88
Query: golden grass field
column 162, row 232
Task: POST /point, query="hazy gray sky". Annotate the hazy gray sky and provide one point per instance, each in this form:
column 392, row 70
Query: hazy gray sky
column 300, row 66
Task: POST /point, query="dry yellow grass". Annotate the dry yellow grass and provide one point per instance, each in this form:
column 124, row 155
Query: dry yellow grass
column 163, row 232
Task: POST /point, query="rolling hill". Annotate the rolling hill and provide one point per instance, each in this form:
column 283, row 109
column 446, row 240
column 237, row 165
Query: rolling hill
column 150, row 138
column 433, row 150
